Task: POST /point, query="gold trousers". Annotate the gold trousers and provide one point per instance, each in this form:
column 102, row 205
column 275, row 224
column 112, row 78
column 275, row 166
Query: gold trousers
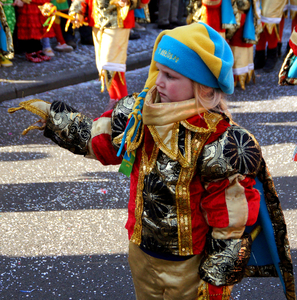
column 158, row 279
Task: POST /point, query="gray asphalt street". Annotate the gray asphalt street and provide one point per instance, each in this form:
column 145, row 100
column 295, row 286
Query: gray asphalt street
column 62, row 216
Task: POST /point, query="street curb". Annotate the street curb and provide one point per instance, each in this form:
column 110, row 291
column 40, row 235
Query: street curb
column 13, row 91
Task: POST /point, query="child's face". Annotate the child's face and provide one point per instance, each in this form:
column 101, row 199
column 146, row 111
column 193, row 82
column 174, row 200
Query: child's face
column 172, row 86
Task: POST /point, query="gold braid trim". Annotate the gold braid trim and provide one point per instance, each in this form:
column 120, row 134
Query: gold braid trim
column 174, row 141
column 27, row 106
column 137, row 142
column 182, row 192
column 149, row 164
column 182, row 195
column 136, row 236
column 203, row 292
column 211, row 119
column 270, row 27
column 33, row 127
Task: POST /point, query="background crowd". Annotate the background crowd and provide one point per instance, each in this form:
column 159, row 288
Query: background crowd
column 253, row 30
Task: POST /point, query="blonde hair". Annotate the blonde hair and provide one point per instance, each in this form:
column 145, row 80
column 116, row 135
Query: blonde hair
column 210, row 99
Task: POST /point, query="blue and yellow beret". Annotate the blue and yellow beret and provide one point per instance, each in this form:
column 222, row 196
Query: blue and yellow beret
column 197, row 52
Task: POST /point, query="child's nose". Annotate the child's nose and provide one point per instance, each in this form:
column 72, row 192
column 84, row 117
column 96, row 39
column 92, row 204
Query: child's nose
column 159, row 80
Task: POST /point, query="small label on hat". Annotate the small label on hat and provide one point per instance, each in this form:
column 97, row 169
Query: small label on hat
column 168, row 54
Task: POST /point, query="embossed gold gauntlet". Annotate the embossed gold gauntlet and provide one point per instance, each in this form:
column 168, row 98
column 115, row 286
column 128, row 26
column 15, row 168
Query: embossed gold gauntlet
column 68, row 128
column 225, row 260
column 64, row 125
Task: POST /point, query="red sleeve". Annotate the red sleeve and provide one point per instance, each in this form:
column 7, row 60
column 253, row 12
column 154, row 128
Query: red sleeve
column 231, row 202
column 102, row 145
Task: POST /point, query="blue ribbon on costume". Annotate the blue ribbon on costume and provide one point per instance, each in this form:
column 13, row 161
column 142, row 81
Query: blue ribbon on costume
column 227, row 12
column 265, row 239
column 139, row 13
column 293, row 68
column 129, row 158
column 249, row 32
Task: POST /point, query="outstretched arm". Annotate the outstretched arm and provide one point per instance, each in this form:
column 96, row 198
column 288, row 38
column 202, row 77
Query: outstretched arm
column 76, row 132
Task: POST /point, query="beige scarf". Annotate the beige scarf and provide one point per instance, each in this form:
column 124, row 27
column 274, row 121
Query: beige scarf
column 163, row 120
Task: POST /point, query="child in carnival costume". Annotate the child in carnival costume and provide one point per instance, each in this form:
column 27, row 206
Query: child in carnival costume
column 111, row 22
column 193, row 171
column 238, row 21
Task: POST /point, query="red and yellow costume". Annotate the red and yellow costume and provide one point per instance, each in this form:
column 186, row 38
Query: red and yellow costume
column 197, row 178
column 111, row 27
column 191, row 190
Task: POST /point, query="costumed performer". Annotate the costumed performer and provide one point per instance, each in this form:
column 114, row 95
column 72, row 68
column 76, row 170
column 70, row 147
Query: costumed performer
column 290, row 7
column 193, row 172
column 288, row 72
column 111, row 22
column 238, row 21
column 30, row 30
column 271, row 16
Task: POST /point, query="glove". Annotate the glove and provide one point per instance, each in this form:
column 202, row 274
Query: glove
column 225, row 260
column 36, row 106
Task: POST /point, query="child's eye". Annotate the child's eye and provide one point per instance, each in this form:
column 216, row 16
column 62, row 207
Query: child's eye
column 169, row 76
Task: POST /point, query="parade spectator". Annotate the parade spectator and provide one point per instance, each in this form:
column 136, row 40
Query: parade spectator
column 133, row 35
column 168, row 14
column 62, row 5
column 46, row 47
column 112, row 30
column 153, row 7
column 85, row 33
column 197, row 178
column 30, row 30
